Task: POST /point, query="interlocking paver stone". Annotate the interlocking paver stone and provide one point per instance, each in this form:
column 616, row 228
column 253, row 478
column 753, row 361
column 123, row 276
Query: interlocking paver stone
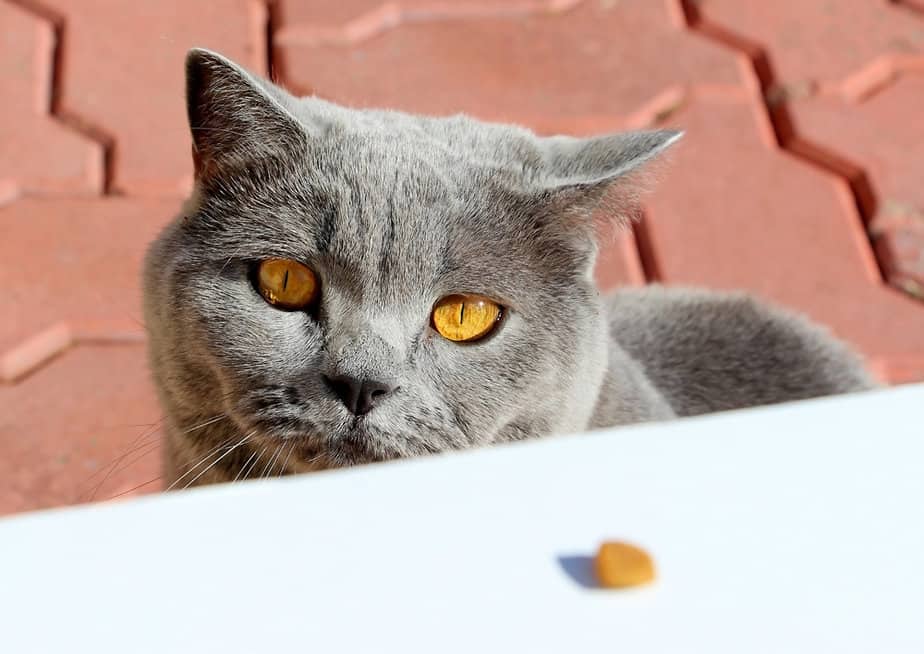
column 618, row 263
column 74, row 261
column 820, row 42
column 123, row 74
column 354, row 20
column 735, row 212
column 541, row 67
column 884, row 135
column 37, row 151
column 62, row 428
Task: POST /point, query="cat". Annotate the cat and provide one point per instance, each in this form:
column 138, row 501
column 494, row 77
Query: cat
column 347, row 286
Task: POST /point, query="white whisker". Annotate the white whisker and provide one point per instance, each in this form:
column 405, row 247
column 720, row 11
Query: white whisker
column 213, row 463
column 254, row 464
column 208, row 422
column 286, row 462
column 243, row 467
column 272, row 462
column 205, row 458
column 315, row 458
column 138, row 443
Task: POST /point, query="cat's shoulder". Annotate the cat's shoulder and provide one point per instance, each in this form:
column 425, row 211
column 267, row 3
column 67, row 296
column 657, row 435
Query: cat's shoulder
column 711, row 350
column 684, row 308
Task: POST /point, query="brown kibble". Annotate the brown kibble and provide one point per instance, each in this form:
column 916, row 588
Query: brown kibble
column 621, row 565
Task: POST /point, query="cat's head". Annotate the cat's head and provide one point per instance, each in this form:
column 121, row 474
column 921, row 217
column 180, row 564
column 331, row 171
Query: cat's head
column 303, row 291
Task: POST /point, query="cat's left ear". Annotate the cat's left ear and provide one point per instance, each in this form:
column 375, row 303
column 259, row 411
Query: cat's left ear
column 236, row 117
column 580, row 171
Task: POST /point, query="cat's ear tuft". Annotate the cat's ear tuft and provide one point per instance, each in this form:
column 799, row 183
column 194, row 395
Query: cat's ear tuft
column 580, row 173
column 597, row 161
column 585, row 184
column 235, row 117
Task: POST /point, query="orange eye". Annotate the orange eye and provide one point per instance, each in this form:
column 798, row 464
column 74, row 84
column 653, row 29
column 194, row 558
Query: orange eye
column 464, row 318
column 287, row 284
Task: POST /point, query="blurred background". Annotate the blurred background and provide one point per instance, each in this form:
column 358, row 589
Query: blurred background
column 801, row 177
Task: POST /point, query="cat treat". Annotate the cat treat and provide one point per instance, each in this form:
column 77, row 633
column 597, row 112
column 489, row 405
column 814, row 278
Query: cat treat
column 622, row 565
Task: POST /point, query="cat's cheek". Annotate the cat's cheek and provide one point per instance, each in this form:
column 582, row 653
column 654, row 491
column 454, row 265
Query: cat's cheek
column 474, row 382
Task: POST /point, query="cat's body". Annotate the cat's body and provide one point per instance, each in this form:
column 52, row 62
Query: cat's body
column 703, row 351
column 390, row 213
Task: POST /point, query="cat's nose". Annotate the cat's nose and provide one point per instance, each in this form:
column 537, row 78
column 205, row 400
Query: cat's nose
column 358, row 395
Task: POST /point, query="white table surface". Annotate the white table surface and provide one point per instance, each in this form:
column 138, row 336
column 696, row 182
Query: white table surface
column 792, row 529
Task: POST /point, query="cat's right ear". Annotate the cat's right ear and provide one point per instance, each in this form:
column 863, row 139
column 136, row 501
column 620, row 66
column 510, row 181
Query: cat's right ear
column 234, row 117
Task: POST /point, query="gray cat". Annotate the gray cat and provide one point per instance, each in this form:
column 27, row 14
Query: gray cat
column 349, row 286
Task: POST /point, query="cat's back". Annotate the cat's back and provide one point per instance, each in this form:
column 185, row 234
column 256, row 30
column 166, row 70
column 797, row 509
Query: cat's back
column 710, row 351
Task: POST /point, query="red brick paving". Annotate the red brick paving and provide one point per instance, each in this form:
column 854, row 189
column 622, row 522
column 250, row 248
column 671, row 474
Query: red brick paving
column 541, row 68
column 120, row 76
column 38, row 153
column 763, row 220
column 63, row 427
column 619, row 263
column 886, row 138
column 821, row 42
column 802, row 164
column 911, row 5
column 74, row 261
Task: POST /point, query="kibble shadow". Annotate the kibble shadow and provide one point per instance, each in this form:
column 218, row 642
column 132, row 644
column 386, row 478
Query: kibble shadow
column 580, row 568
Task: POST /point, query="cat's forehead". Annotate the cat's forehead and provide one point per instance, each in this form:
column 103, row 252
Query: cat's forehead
column 417, row 178
column 433, row 145
column 399, row 216
column 390, row 204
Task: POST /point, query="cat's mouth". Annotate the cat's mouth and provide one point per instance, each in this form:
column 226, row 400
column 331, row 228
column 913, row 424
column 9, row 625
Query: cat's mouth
column 356, row 445
column 352, row 450
column 343, row 451
column 341, row 444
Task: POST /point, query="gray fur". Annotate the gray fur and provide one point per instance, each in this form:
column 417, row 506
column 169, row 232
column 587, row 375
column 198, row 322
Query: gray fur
column 393, row 212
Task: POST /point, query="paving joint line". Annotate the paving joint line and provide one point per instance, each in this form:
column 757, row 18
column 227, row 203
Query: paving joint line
column 914, row 7
column 775, row 104
column 271, row 10
column 72, row 121
column 387, row 16
column 644, row 245
column 42, row 347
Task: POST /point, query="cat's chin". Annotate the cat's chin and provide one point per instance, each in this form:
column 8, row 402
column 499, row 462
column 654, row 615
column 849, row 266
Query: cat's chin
column 356, row 446
column 348, row 453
